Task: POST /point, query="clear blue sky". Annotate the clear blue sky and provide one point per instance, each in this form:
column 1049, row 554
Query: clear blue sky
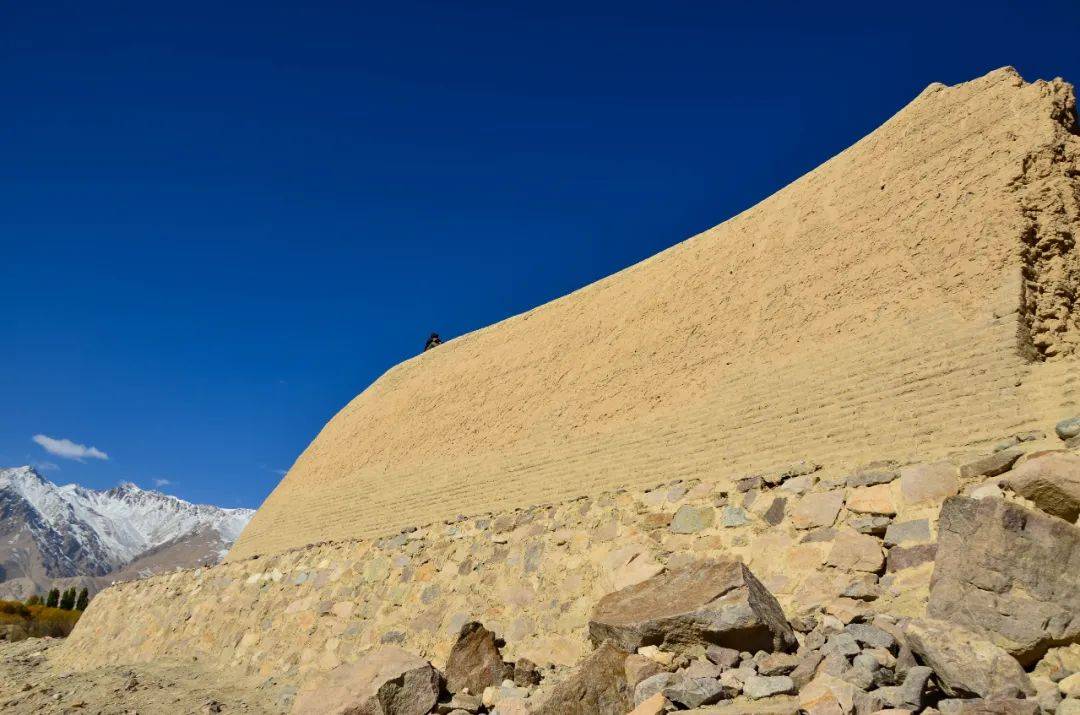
column 221, row 221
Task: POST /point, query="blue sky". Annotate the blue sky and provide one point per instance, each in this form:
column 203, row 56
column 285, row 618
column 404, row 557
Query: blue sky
column 221, row 221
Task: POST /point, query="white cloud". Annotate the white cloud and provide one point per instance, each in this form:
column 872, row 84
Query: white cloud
column 47, row 466
column 161, row 482
column 67, row 449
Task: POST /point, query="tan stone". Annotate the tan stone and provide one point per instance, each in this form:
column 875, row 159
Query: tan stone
column 1009, row 571
column 827, row 695
column 380, row 677
column 655, row 705
column 921, row 483
column 597, row 686
column 639, row 569
column 716, row 601
column 877, row 499
column 1060, row 662
column 964, row 662
column 1052, row 482
column 639, row 667
column 853, row 551
column 1070, row 706
column 817, row 510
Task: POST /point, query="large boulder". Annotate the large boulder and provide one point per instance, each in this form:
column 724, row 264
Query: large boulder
column 712, row 601
column 1052, row 481
column 1012, row 572
column 964, row 662
column 475, row 662
column 385, row 681
column 597, row 686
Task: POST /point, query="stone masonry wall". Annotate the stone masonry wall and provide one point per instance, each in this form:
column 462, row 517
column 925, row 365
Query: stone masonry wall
column 859, row 539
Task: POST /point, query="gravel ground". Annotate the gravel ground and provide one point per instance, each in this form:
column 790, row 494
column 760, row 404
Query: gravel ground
column 29, row 683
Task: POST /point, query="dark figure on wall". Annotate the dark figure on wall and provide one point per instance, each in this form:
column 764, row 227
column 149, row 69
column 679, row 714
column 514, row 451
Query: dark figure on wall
column 432, row 341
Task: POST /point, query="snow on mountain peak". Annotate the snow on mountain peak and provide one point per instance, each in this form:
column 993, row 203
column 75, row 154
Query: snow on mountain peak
column 123, row 522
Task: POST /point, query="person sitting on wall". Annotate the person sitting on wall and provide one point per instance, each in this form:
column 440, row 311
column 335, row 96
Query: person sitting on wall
column 432, row 341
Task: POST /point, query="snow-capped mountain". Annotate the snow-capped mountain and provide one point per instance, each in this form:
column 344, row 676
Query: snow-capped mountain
column 52, row 532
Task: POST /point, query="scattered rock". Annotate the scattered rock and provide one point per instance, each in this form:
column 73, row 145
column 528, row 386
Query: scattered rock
column 526, row 674
column 1070, row 706
column 474, row 662
column 725, row 657
column 637, row 668
column 655, row 705
column 1009, row 571
column 842, row 643
column 460, row 702
column 718, row 602
column 827, row 695
column 652, row 685
column 762, row 686
column 990, row 465
column 385, row 680
column 1068, row 428
column 504, row 696
column 701, row 668
column 908, row 694
column 695, row 692
column 964, row 662
column 1052, row 481
column 597, row 686
column 663, row 658
column 1059, row 663
column 777, row 663
column 870, row 636
column 1001, row 706
column 880, row 473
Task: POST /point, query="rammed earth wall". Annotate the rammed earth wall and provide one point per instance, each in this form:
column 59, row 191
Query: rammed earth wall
column 914, row 292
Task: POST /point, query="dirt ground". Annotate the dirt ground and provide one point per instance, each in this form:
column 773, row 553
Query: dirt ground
column 30, row 683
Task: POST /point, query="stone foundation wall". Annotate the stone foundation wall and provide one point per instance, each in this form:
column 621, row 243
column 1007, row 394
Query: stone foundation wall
column 843, row 539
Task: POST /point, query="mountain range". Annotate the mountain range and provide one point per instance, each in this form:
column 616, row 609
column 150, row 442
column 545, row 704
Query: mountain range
column 54, row 535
